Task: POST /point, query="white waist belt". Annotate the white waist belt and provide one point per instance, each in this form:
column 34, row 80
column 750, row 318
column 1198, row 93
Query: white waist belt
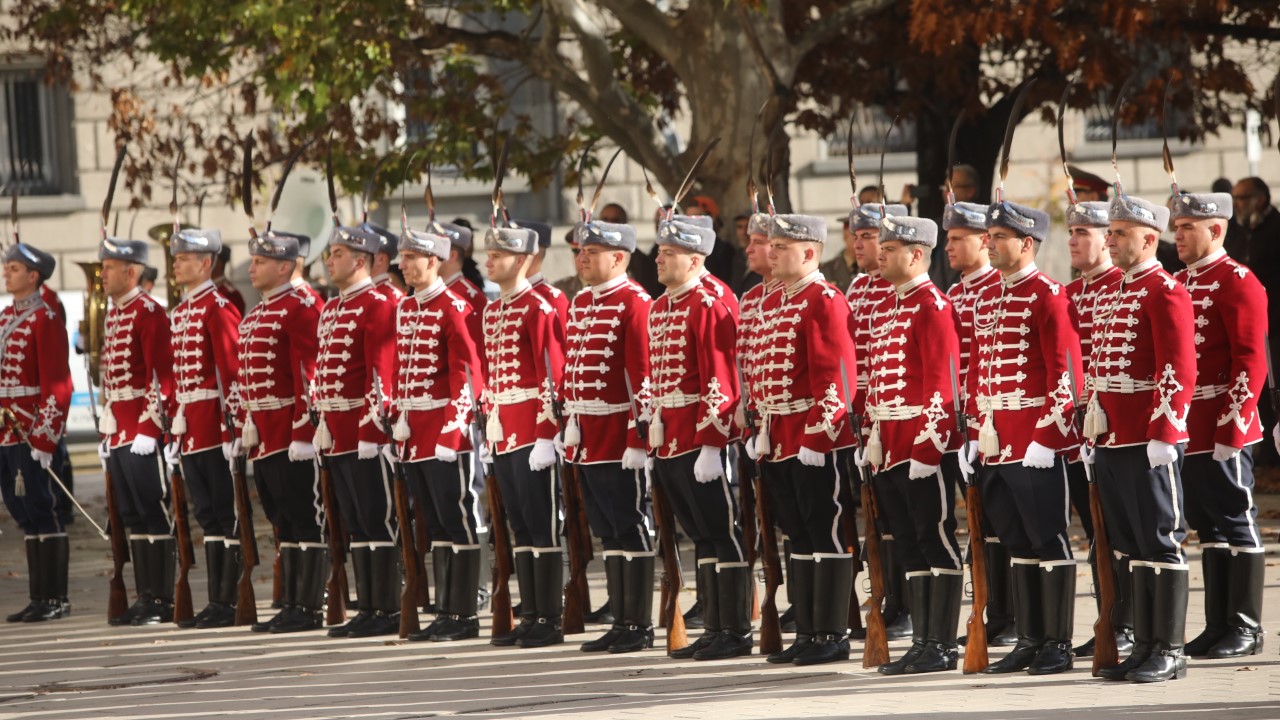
column 513, row 396
column 339, row 404
column 1204, row 392
column 20, row 391
column 1122, row 385
column 421, row 403
column 987, row 403
column 122, row 394
column 895, row 412
column 594, row 407
column 197, row 395
column 675, row 400
column 785, row 408
column 268, row 403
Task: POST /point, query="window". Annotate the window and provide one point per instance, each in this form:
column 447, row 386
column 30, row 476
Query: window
column 870, row 123
column 36, row 156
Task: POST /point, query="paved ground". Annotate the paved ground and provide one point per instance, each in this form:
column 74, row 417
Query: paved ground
column 82, row 668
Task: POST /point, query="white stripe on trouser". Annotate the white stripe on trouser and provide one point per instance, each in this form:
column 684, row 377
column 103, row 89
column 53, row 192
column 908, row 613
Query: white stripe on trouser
column 392, row 531
column 164, row 490
column 1177, row 514
column 835, row 499
column 554, row 474
column 1066, row 512
column 464, row 489
column 639, row 508
column 942, row 531
column 1248, row 494
column 317, row 496
column 728, row 511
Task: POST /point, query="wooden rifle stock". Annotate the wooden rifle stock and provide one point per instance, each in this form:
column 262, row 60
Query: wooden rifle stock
column 182, row 606
column 423, row 545
column 500, row 601
column 575, row 590
column 876, row 648
column 770, row 623
column 408, row 556
column 677, row 637
column 747, row 471
column 1105, row 653
column 975, row 649
column 246, row 604
column 849, row 521
column 118, row 600
column 336, row 587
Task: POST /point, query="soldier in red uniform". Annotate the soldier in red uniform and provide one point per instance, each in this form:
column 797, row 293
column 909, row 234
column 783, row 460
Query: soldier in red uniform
column 524, row 361
column 1020, row 390
column 36, row 394
column 695, row 390
column 224, row 286
column 1143, row 375
column 966, row 227
column 135, row 350
column 460, row 239
column 802, row 345
column 1092, row 294
column 866, row 293
column 277, row 358
column 380, row 273
column 549, row 292
column 204, row 331
column 909, row 405
column 607, row 346
column 354, row 370
column 433, row 403
column 1230, row 308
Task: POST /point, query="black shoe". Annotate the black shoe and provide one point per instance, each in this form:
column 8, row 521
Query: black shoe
column 785, row 657
column 1085, row 650
column 899, row 666
column 1243, row 636
column 455, row 627
column 1124, row 641
column 1054, row 657
column 379, row 623
column 425, row 633
column 603, row 642
column 45, row 610
column 511, row 638
column 341, row 631
column 1168, row 626
column 824, row 649
column 157, row 612
column 693, row 617
column 222, row 615
column 266, row 625
column 134, row 611
column 1018, row 659
column 1161, row 666
column 1006, row 636
column 1128, row 665
column 900, row 627
column 195, row 620
column 545, row 632
column 603, row 616
column 787, row 620
column 17, row 617
column 727, row 644
column 633, row 639
column 1238, row 642
column 301, row 620
column 1216, row 567
column 688, row 651
column 936, row 657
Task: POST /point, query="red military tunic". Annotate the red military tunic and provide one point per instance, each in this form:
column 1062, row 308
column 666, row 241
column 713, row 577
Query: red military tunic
column 520, row 333
column 1143, row 369
column 277, row 359
column 474, row 296
column 722, row 291
column 865, row 295
column 553, row 295
column 355, row 338
column 691, row 363
column 35, row 380
column 803, row 341
column 1230, row 308
column 1019, row 385
column 1092, row 293
column 232, row 294
column 135, row 348
column 204, row 332
column 606, row 344
column 306, row 287
column 51, row 299
column 910, row 400
column 434, row 352
column 964, row 295
column 383, row 284
column 750, row 330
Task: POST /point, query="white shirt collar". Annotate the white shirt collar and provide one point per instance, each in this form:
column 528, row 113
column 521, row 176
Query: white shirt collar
column 129, row 296
column 676, row 293
column 608, row 285
column 520, row 287
column 449, row 280
column 431, row 291
column 382, row 278
column 1014, row 279
column 202, row 287
column 905, row 288
column 1141, row 268
column 1099, row 269
column 803, row 283
column 362, row 285
column 1207, row 260
column 976, row 275
column 278, row 291
column 536, row 278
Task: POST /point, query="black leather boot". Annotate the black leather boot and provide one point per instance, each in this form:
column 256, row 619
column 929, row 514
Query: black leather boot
column 361, row 555
column 1095, row 591
column 1143, row 604
column 1001, row 628
column 441, row 569
column 1122, row 611
column 50, row 602
column 613, row 561
column 462, row 622
column 637, row 604
column 801, row 584
column 137, row 558
column 832, row 589
column 548, row 588
column 384, row 594
column 942, row 622
column 1244, row 607
column 288, row 582
column 213, row 550
column 733, row 591
column 1058, row 594
column 523, row 561
column 33, row 580
column 311, row 573
column 787, row 620
column 1029, row 620
column 161, row 573
column 918, row 588
column 897, row 598
column 707, row 580
column 1168, row 628
column 222, row 612
column 1215, row 563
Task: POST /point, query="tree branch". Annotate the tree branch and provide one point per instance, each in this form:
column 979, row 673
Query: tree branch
column 1237, row 32
column 654, row 27
column 831, row 25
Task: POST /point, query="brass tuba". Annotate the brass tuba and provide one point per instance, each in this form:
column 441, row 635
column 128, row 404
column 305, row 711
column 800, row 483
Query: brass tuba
column 161, row 234
column 93, row 326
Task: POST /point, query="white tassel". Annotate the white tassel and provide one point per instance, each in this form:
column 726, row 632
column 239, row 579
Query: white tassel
column 1095, row 419
column 249, row 435
column 107, row 422
column 19, row 486
column 988, row 441
column 763, row 447
column 179, row 425
column 323, row 439
column 656, row 431
column 493, row 428
column 572, row 433
column 875, row 448
column 400, row 432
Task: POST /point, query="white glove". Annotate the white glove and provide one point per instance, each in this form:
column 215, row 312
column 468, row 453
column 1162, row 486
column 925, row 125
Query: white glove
column 486, row 455
column 1160, row 453
column 1275, row 436
column 104, row 451
column 749, row 447
column 45, row 459
column 143, row 445
column 1223, row 453
column 812, row 458
column 300, row 451
column 739, row 418
column 389, row 453
column 173, row 454
column 444, row 454
column 634, row 459
column 542, row 456
column 233, row 449
column 1086, row 453
column 967, row 455
column 919, row 470
column 708, row 466
column 366, row 450
column 860, row 458
column 1038, row 456
column 559, row 445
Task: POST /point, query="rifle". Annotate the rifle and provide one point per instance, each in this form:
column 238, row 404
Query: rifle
column 118, row 599
column 770, row 624
column 975, row 649
column 876, row 647
column 246, row 605
column 500, row 600
column 849, row 520
column 182, row 608
column 747, row 498
column 408, row 547
column 336, row 587
column 575, row 590
column 1105, row 652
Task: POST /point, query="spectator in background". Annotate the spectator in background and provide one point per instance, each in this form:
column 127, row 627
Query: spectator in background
column 743, row 278
column 724, row 255
column 1166, row 251
column 1234, row 244
column 148, row 279
column 839, row 270
column 1256, row 228
column 470, row 270
column 642, row 269
column 571, row 285
column 1088, row 187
